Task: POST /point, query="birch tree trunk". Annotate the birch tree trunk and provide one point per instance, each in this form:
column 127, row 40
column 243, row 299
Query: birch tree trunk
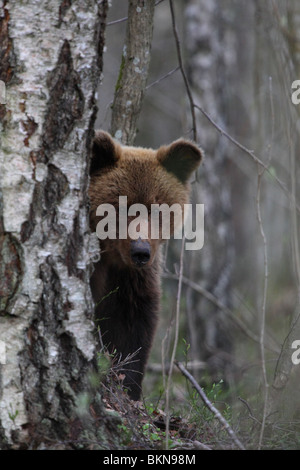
column 212, row 267
column 51, row 59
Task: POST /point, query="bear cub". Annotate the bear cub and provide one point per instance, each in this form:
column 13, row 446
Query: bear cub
column 126, row 281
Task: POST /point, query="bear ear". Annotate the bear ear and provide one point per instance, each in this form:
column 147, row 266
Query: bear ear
column 105, row 152
column 180, row 158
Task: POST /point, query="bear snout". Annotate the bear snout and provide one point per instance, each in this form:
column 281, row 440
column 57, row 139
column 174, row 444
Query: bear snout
column 140, row 252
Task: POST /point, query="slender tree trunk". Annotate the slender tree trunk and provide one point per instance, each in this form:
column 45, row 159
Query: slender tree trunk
column 212, row 267
column 51, row 59
column 134, row 68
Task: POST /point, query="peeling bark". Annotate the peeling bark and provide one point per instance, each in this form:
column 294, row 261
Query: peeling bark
column 65, row 104
column 50, row 61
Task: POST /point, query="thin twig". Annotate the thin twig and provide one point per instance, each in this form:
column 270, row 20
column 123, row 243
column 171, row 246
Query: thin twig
column 120, row 20
column 263, row 313
column 249, row 409
column 192, row 365
column 266, row 274
column 175, row 342
column 162, row 78
column 210, row 406
column 269, row 156
column 186, row 82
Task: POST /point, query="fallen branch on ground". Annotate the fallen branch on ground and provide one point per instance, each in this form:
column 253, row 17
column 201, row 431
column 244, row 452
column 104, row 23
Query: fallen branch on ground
column 210, row 406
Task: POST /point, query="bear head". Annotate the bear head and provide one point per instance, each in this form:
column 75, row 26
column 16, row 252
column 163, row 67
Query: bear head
column 144, row 177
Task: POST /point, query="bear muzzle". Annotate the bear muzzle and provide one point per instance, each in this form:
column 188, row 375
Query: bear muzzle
column 140, row 252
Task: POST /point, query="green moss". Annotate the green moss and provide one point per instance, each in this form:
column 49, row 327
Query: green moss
column 118, row 85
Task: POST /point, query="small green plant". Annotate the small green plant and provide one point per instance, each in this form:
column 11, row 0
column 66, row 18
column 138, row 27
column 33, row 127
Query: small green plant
column 150, row 433
column 187, row 347
column 13, row 414
column 204, row 417
column 109, row 294
column 156, row 437
column 126, row 434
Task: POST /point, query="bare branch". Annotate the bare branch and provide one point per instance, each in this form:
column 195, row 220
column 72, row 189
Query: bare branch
column 186, row 82
column 175, row 342
column 249, row 410
column 162, row 78
column 210, row 406
column 120, row 20
column 193, row 365
column 263, row 308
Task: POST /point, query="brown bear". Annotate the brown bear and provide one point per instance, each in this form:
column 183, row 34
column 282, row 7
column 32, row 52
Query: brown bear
column 126, row 281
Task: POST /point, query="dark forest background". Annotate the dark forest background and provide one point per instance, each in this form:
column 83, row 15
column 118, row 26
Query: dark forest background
column 240, row 59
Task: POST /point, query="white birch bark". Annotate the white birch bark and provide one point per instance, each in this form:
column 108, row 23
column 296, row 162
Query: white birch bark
column 51, row 54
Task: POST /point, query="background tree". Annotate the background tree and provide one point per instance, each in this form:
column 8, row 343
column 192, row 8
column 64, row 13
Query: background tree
column 208, row 58
column 133, row 75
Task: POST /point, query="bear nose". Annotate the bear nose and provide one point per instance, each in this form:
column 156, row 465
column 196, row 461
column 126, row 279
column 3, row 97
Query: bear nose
column 140, row 252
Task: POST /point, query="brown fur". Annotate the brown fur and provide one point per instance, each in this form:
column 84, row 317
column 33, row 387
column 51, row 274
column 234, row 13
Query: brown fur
column 128, row 315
